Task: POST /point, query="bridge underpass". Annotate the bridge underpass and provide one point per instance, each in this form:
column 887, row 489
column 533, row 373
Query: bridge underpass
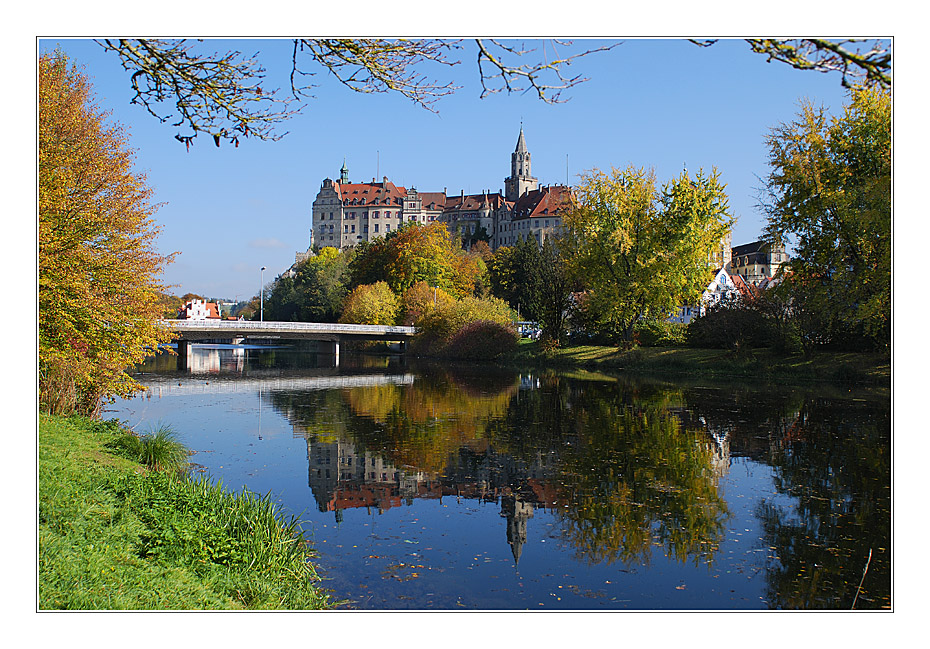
column 328, row 336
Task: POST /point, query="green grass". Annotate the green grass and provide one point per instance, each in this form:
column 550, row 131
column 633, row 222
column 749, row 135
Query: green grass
column 159, row 450
column 761, row 365
column 114, row 534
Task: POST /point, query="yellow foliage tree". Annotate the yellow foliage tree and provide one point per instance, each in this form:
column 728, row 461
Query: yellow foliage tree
column 98, row 267
column 373, row 304
column 420, row 299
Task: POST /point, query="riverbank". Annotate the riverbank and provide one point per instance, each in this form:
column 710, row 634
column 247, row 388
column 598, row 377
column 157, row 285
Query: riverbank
column 114, row 534
column 760, row 365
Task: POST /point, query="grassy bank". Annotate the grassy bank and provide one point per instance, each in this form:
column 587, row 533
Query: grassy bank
column 760, row 365
column 116, row 534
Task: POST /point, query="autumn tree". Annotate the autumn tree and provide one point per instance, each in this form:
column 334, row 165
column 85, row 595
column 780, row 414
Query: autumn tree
column 373, row 304
column 417, row 253
column 99, row 293
column 420, row 299
column 642, row 251
column 830, row 190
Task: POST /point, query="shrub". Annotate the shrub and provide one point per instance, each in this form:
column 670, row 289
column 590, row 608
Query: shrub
column 481, row 340
column 660, row 333
column 440, row 325
column 730, row 324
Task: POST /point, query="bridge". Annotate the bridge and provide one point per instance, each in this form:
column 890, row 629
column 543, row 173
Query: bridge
column 330, row 335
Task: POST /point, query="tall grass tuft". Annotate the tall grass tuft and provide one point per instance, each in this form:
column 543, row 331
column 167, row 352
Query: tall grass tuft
column 114, row 537
column 159, row 450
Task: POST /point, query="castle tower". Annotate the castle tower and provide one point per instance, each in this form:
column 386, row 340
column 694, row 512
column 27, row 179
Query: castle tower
column 344, row 173
column 520, row 180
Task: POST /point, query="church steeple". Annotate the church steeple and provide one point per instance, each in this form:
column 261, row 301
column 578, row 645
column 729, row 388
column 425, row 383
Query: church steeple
column 521, row 179
column 521, row 141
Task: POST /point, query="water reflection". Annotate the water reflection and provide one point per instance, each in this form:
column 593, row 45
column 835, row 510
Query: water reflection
column 628, row 472
column 621, row 471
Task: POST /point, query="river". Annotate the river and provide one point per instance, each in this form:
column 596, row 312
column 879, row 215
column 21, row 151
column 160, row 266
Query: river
column 425, row 486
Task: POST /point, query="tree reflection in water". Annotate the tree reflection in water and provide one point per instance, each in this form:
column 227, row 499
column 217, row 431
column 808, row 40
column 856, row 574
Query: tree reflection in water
column 620, row 471
column 836, row 469
column 611, row 460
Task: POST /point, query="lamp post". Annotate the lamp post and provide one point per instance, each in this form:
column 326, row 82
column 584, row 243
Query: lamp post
column 262, row 299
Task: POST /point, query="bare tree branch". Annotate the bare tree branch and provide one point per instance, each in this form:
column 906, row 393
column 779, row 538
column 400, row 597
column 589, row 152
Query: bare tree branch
column 217, row 94
column 222, row 94
column 492, row 66
column 378, row 65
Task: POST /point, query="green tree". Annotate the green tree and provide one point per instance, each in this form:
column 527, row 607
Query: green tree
column 830, row 189
column 515, row 277
column 314, row 293
column 373, row 304
column 555, row 291
column 639, row 251
column 99, row 296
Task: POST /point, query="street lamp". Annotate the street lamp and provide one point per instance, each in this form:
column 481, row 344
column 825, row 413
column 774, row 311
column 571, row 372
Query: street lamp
column 262, row 290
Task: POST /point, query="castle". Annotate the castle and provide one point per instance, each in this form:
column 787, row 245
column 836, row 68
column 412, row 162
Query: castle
column 345, row 214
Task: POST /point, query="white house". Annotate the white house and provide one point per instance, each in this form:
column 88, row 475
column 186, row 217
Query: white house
column 199, row 310
column 723, row 284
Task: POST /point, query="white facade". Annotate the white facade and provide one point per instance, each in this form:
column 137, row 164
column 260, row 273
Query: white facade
column 720, row 287
column 196, row 310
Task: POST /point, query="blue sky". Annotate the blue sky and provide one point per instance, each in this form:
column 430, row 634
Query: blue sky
column 660, row 103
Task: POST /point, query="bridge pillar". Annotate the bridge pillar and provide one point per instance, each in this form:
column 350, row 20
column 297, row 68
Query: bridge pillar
column 183, row 352
column 237, row 340
column 329, row 347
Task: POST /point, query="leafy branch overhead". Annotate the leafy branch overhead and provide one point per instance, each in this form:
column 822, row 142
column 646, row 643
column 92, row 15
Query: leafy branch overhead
column 873, row 66
column 223, row 95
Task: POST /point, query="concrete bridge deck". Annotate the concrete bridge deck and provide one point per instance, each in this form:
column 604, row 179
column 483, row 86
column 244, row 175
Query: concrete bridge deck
column 329, row 334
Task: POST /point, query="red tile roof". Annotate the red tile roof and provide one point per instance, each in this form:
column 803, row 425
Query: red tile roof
column 551, row 200
column 386, row 192
column 433, row 200
column 474, row 202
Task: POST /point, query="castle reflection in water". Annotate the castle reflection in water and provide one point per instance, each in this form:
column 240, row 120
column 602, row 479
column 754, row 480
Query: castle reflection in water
column 342, row 477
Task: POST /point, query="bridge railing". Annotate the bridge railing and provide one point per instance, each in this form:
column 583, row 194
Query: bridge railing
column 274, row 328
